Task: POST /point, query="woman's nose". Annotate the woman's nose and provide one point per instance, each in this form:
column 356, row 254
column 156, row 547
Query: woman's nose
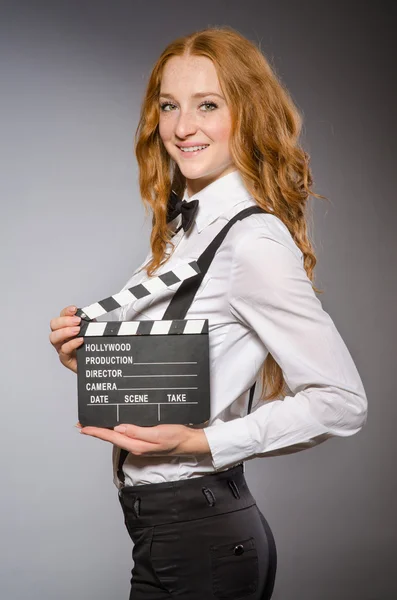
column 186, row 124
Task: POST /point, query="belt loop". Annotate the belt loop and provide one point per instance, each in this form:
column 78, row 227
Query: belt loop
column 234, row 488
column 137, row 506
column 121, row 460
column 209, row 496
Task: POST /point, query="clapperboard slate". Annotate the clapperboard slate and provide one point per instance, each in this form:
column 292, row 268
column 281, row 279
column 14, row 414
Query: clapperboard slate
column 143, row 372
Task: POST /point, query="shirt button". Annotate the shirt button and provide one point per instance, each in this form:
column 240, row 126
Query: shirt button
column 239, row 549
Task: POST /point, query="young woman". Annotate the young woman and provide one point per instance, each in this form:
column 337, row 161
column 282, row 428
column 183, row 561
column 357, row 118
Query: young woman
column 218, row 127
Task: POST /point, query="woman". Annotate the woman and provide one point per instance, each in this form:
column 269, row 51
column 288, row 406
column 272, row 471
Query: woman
column 218, row 127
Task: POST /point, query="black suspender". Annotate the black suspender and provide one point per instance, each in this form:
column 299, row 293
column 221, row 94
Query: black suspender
column 184, row 296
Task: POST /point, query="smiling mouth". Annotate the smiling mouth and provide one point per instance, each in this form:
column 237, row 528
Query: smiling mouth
column 192, row 150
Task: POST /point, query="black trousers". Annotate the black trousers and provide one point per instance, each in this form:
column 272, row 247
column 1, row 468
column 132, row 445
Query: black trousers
column 199, row 539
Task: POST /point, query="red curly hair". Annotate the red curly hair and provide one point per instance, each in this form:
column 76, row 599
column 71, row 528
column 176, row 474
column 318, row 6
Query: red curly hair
column 264, row 145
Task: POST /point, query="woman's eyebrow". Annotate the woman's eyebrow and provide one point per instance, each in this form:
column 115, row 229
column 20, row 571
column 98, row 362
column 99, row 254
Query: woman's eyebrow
column 198, row 95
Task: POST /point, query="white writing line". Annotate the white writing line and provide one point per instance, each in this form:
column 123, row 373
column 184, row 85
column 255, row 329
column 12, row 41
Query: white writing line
column 157, row 388
column 161, row 375
column 139, row 404
column 166, row 363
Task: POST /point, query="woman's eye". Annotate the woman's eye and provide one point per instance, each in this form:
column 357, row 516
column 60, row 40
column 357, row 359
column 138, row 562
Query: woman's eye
column 211, row 104
column 164, row 106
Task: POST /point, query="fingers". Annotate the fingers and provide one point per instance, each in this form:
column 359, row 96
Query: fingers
column 60, row 322
column 70, row 346
column 68, row 311
column 64, row 327
column 60, row 336
column 64, row 330
column 146, row 434
column 67, row 353
column 136, row 446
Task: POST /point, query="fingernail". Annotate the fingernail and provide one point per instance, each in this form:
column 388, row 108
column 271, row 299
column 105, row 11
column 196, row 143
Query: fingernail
column 76, row 320
column 120, row 428
column 75, row 329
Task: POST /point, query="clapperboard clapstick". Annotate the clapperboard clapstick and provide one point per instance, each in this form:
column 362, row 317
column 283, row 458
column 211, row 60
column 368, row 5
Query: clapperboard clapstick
column 143, row 372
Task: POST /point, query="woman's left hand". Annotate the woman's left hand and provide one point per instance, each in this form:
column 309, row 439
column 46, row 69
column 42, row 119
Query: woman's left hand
column 159, row 440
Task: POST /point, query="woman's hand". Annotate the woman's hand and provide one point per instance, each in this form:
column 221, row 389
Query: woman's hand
column 63, row 331
column 160, row 440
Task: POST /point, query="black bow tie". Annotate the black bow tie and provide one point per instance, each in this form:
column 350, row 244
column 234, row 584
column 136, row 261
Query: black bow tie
column 188, row 210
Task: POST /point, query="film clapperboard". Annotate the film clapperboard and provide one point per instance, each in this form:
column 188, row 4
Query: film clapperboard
column 143, row 372
column 149, row 372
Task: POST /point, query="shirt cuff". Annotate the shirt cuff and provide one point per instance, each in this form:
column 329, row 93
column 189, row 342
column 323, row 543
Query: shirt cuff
column 230, row 443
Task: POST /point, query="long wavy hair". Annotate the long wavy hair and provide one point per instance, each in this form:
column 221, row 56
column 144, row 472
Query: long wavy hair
column 263, row 144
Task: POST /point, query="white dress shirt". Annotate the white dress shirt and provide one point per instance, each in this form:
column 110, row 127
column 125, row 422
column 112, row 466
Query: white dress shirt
column 258, row 299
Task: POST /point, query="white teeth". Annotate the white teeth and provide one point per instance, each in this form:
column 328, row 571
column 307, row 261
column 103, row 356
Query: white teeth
column 193, row 148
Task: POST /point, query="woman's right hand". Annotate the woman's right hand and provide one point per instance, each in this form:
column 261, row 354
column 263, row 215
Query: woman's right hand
column 63, row 331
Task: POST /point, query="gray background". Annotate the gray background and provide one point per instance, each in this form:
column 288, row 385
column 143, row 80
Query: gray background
column 73, row 229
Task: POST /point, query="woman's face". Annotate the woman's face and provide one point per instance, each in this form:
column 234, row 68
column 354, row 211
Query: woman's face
column 193, row 112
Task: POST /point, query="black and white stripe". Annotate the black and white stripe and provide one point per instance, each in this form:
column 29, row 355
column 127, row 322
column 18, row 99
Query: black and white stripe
column 120, row 328
column 150, row 286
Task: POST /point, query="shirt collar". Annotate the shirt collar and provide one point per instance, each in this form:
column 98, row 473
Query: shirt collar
column 217, row 198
